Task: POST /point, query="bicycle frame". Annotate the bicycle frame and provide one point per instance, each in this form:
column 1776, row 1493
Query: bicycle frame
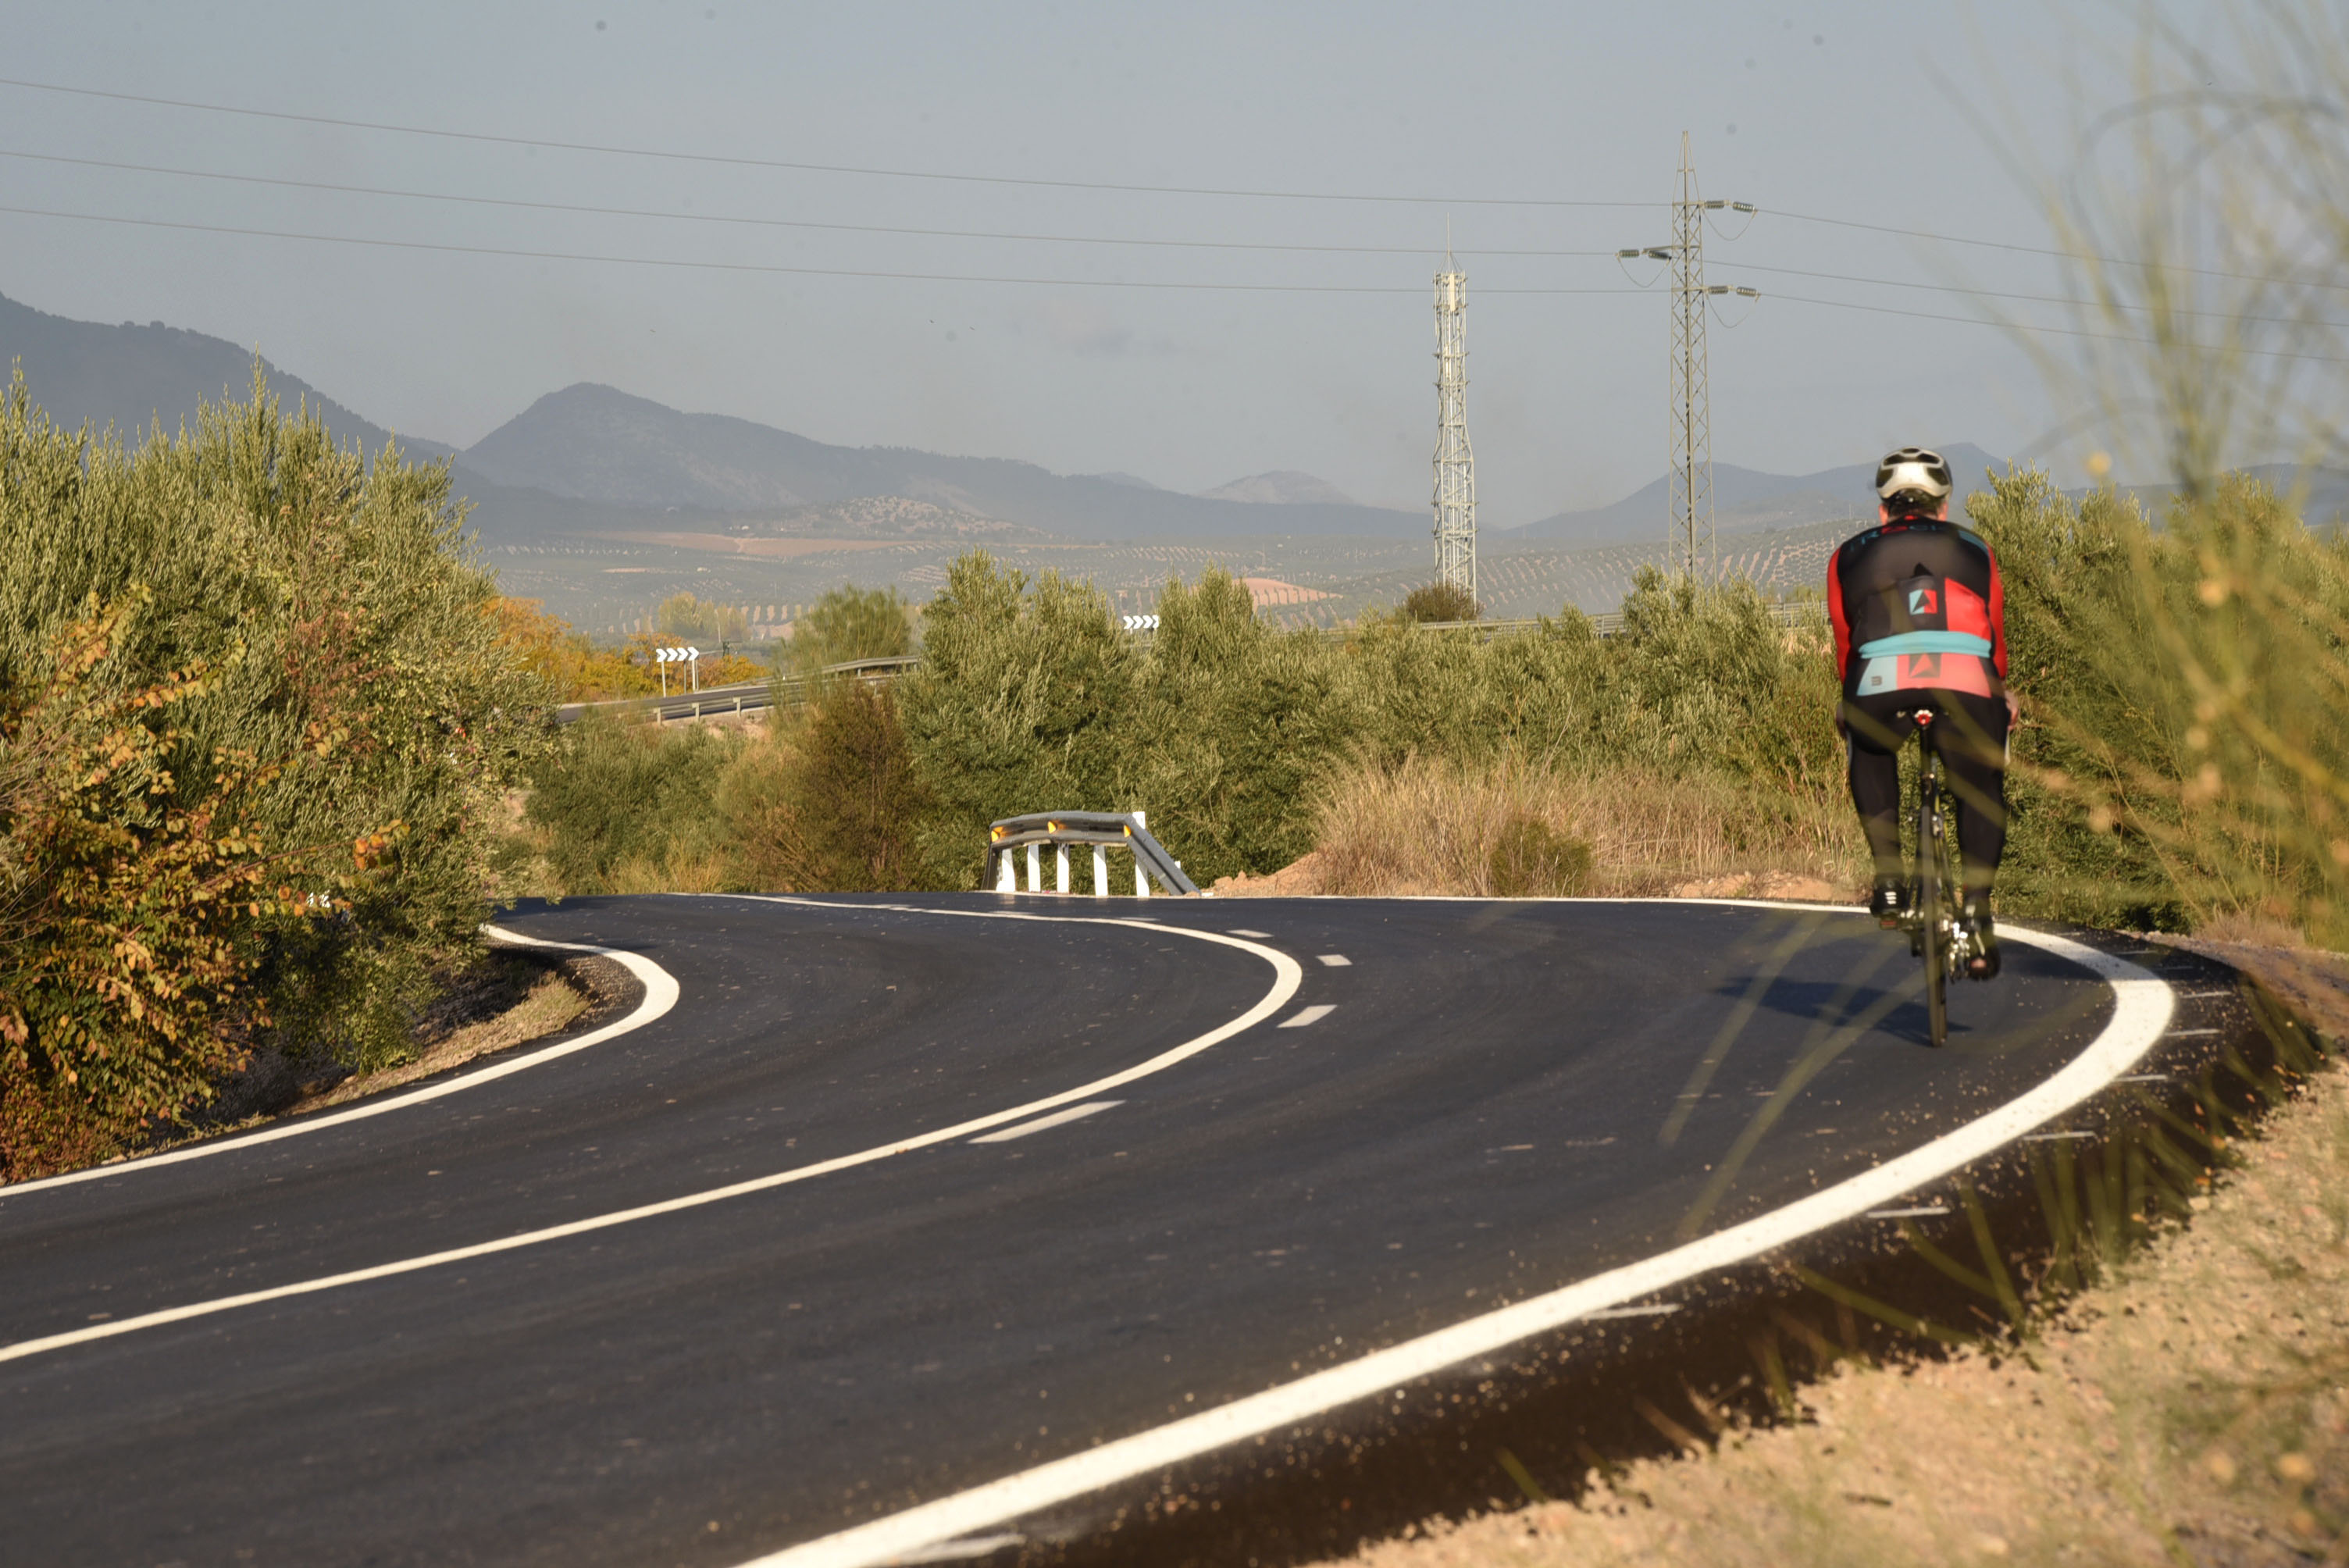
column 1935, row 934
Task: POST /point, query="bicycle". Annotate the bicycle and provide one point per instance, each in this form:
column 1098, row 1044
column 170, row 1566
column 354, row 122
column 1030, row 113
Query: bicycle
column 1930, row 917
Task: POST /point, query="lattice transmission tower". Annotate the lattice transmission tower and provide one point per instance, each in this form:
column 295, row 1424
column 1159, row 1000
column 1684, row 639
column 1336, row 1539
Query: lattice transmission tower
column 1692, row 407
column 1455, row 465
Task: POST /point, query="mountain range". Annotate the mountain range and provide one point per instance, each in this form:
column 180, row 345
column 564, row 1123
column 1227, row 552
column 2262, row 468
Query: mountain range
column 594, row 443
column 592, row 460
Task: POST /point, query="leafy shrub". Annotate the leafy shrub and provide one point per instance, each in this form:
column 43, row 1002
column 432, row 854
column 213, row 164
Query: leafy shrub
column 846, row 809
column 1440, row 601
column 295, row 653
column 2185, row 742
column 627, row 806
column 1016, row 707
column 849, row 623
column 1531, row 858
column 1229, row 726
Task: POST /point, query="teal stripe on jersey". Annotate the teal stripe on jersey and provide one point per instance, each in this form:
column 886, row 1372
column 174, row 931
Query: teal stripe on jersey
column 1926, row 643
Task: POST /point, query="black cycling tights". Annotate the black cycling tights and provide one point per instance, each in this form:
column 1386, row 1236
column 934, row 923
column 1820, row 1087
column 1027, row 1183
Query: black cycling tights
column 1971, row 734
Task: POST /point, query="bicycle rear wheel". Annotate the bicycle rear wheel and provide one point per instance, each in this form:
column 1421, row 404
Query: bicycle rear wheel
column 1931, row 893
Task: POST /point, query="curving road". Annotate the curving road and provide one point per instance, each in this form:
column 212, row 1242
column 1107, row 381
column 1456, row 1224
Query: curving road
column 911, row 1220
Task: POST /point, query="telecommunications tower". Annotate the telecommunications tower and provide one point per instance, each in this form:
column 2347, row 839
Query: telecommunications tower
column 1455, row 465
column 1691, row 410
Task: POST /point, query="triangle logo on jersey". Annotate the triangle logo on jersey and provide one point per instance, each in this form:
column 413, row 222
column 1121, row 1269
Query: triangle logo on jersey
column 1924, row 602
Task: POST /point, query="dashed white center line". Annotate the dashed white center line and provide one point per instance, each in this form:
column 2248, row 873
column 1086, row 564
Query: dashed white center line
column 1312, row 1014
column 1259, row 936
column 1922, row 1212
column 2052, row 1137
column 1656, row 1310
column 1072, row 1113
column 2182, row 1034
column 1335, row 960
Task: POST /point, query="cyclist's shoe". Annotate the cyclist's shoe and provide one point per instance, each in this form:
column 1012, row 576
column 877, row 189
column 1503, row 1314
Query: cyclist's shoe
column 1982, row 938
column 1888, row 901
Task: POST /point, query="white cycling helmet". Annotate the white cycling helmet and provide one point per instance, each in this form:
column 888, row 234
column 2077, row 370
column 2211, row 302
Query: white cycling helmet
column 1912, row 473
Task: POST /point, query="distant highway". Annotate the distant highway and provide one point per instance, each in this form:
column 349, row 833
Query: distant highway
column 869, row 1224
column 745, row 696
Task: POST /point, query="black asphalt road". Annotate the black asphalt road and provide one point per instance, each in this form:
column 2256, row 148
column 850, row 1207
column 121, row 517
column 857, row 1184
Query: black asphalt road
column 1479, row 1117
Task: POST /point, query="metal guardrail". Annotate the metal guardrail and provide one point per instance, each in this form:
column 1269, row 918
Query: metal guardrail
column 746, row 697
column 1103, row 831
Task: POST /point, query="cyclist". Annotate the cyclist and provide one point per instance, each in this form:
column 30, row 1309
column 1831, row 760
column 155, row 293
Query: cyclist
column 1920, row 622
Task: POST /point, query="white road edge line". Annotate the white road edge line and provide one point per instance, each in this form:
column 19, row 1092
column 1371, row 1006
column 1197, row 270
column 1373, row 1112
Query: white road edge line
column 962, row 1551
column 2142, row 1006
column 660, row 996
column 1313, row 1014
column 1288, row 975
column 1058, row 1117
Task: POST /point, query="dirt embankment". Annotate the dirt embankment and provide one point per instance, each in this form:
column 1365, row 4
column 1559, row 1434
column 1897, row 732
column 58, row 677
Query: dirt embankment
column 2194, row 1408
column 507, row 998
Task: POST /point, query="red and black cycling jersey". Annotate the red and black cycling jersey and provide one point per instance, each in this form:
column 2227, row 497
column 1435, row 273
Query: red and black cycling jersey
column 1916, row 602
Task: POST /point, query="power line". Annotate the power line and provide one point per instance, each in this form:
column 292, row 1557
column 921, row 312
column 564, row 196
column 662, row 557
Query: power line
column 2030, row 298
column 1144, row 284
column 738, row 160
column 526, row 254
column 2056, row 331
column 672, row 216
column 586, row 208
column 2060, row 255
column 744, row 162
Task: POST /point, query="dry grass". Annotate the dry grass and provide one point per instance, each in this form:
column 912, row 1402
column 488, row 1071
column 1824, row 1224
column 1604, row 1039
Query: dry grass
column 1433, row 827
column 2194, row 1410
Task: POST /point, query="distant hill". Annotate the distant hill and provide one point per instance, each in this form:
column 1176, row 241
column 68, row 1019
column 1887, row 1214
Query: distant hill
column 597, row 443
column 1744, row 500
column 86, row 372
column 1282, row 487
column 592, row 460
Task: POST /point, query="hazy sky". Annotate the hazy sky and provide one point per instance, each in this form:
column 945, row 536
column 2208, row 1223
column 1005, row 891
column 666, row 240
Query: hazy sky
column 1841, row 110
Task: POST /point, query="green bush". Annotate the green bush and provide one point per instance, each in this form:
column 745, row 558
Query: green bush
column 327, row 641
column 1221, row 728
column 849, row 623
column 1020, row 704
column 616, row 796
column 2185, row 738
column 1531, row 858
column 849, row 810
column 1440, row 601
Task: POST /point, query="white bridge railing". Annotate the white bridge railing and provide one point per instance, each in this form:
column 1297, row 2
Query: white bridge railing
column 1101, row 831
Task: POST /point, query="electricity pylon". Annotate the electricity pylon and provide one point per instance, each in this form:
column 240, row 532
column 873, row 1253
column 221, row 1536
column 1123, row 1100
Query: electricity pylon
column 1455, row 465
column 1691, row 411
